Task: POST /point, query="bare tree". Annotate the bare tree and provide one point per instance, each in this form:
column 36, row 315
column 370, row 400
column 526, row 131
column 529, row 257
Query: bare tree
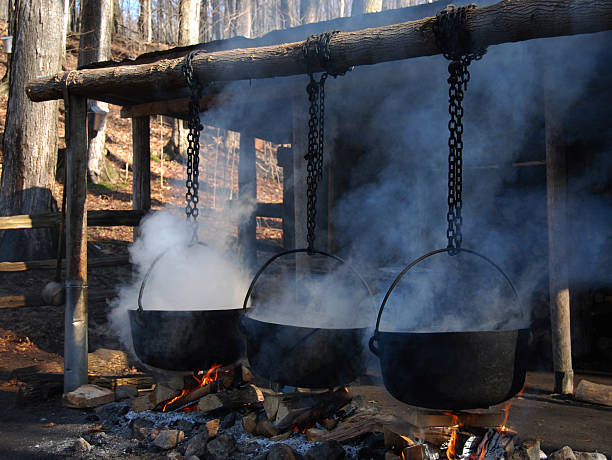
column 366, row 6
column 118, row 28
column 189, row 19
column 145, row 20
column 95, row 45
column 308, row 11
column 30, row 135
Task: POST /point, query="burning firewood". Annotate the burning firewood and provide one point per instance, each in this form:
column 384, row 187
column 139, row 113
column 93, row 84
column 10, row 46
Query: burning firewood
column 231, row 399
column 216, row 378
column 303, row 409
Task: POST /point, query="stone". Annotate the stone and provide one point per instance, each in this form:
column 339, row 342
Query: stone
column 81, row 445
column 249, row 422
column 174, row 455
column 126, row 392
column 565, row 453
column 369, row 453
column 183, row 425
column 168, row 439
column 329, row 450
column 282, row 452
column 140, row 428
column 228, row 421
column 112, row 410
column 196, row 446
column 88, row 396
column 221, row 447
column 154, row 433
column 192, row 457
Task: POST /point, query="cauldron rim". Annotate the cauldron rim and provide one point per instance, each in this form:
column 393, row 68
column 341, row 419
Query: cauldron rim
column 273, row 323
column 150, row 310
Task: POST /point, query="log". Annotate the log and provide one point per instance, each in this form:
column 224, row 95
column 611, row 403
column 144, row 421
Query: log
column 558, row 277
column 75, row 318
column 226, row 379
column 141, row 164
column 355, row 427
column 504, row 22
column 50, row 264
column 594, row 393
column 36, row 300
column 302, row 409
column 101, row 218
column 230, row 400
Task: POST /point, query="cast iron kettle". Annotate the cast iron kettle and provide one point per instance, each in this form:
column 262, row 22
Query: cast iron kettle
column 453, row 370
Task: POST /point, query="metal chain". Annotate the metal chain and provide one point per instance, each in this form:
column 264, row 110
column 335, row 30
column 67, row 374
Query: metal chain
column 193, row 145
column 316, row 123
column 454, row 40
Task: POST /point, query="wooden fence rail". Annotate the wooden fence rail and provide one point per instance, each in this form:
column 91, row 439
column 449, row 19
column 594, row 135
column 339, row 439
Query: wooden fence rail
column 104, row 218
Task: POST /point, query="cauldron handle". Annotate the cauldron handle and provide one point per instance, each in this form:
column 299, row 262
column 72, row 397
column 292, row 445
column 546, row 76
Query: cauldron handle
column 372, row 342
column 295, row 251
column 148, row 274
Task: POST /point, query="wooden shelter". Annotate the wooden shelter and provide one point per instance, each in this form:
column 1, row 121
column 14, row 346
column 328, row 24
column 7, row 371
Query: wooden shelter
column 262, row 82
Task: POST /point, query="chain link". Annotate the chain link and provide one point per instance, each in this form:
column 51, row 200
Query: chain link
column 454, row 40
column 319, row 46
column 193, row 145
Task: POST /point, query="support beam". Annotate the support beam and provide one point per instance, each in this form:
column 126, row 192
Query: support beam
column 141, row 165
column 75, row 326
column 556, row 192
column 285, row 160
column 247, row 193
column 100, row 218
column 504, row 22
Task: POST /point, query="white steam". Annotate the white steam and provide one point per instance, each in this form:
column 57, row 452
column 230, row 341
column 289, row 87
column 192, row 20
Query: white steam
column 183, row 276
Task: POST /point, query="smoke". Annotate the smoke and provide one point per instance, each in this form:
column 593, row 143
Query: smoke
column 182, row 275
column 395, row 209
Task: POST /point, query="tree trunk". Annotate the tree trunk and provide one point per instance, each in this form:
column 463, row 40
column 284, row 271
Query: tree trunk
column 117, row 18
column 189, row 25
column 217, row 22
column 145, row 20
column 366, row 6
column 308, row 11
column 66, row 27
column 504, row 22
column 96, row 22
column 75, row 23
column 244, row 18
column 30, row 136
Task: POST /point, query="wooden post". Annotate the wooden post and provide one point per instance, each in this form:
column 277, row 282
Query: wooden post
column 247, row 191
column 141, row 165
column 75, row 326
column 285, row 160
column 556, row 192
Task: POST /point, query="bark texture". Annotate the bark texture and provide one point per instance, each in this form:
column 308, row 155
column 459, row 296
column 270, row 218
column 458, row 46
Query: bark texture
column 504, row 22
column 145, row 20
column 95, row 44
column 30, row 136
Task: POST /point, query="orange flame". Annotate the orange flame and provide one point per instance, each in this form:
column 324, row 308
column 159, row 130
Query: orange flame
column 212, row 375
column 451, row 452
column 209, row 377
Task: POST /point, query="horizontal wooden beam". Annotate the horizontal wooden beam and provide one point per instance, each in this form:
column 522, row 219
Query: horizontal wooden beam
column 504, row 22
column 50, row 264
column 103, row 218
column 35, row 300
